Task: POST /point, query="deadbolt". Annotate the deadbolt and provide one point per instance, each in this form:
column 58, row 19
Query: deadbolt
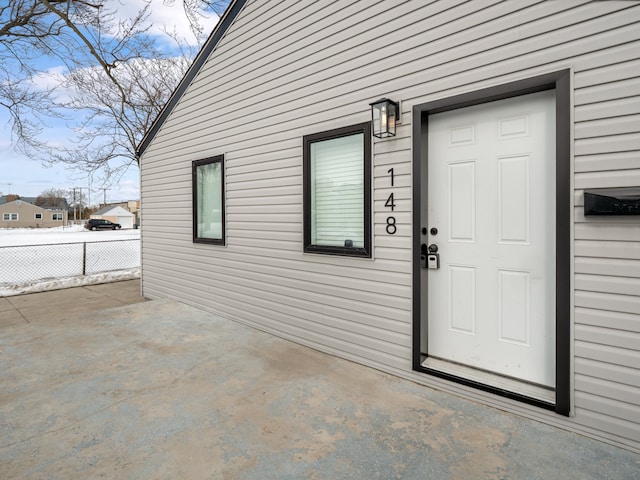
column 434, row 231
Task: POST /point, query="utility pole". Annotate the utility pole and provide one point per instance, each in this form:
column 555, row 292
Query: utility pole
column 75, row 206
column 104, row 189
column 80, row 202
column 10, row 187
column 77, row 200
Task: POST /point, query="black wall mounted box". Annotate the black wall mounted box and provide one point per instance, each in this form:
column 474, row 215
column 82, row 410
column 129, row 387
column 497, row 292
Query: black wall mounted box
column 612, row 201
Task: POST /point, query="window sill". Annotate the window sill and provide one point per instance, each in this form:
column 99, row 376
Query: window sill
column 341, row 251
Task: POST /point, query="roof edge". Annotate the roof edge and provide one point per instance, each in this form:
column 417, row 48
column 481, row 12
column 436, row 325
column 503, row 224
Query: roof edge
column 209, row 46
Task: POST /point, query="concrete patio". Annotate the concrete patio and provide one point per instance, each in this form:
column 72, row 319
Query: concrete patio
column 159, row 389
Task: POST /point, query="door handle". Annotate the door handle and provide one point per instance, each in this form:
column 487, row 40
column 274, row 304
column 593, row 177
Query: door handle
column 433, row 248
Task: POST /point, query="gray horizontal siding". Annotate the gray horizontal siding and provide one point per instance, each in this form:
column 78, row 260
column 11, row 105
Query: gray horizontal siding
column 288, row 69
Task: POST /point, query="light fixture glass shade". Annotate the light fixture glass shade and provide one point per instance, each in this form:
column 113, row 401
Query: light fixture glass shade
column 384, row 114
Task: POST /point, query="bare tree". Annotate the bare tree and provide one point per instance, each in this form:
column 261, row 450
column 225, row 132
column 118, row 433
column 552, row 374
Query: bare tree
column 114, row 72
column 53, row 197
column 76, row 33
column 112, row 128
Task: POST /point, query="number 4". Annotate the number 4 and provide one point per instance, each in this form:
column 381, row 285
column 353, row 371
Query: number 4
column 390, row 202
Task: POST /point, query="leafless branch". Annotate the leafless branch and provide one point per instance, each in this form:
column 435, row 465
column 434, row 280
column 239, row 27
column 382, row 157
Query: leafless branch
column 115, row 74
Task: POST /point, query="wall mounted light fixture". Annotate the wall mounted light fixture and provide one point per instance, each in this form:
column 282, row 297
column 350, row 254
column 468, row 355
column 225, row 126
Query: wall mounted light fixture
column 385, row 114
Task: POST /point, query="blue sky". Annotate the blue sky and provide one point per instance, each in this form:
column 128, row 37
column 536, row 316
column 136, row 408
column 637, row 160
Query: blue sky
column 29, row 177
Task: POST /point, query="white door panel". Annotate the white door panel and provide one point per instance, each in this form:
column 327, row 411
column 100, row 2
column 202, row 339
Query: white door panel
column 491, row 196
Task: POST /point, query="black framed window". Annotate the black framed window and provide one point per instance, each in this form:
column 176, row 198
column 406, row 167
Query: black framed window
column 337, row 191
column 208, row 200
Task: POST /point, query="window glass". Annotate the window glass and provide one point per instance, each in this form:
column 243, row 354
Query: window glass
column 208, row 193
column 337, row 192
column 56, row 216
column 14, row 216
column 38, row 216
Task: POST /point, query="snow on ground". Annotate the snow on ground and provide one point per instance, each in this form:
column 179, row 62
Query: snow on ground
column 72, row 233
column 68, row 282
column 51, row 251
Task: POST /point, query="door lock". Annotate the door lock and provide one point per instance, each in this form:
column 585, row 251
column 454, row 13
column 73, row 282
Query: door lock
column 429, row 256
column 433, row 261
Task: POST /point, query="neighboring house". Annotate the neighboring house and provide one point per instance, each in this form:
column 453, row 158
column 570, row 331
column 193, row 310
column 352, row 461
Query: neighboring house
column 116, row 214
column 132, row 206
column 456, row 253
column 22, row 213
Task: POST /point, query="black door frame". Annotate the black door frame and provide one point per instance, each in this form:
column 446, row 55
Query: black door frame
column 560, row 82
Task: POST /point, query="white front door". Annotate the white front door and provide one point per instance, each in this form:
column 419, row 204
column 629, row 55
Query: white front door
column 491, row 214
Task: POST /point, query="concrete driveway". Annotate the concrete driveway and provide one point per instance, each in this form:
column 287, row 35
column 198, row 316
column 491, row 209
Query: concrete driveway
column 161, row 390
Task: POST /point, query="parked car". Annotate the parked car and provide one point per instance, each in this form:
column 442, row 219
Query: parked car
column 99, row 224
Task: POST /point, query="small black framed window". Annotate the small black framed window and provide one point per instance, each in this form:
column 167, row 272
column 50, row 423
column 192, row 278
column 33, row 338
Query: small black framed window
column 337, row 191
column 208, row 200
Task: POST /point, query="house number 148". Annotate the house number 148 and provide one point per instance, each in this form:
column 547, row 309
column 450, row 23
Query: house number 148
column 390, row 203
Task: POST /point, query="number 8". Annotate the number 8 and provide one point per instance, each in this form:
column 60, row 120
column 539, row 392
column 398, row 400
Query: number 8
column 391, row 225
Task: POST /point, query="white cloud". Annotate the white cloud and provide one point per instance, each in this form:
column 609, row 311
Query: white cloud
column 49, row 78
column 163, row 15
column 127, row 189
column 53, row 78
